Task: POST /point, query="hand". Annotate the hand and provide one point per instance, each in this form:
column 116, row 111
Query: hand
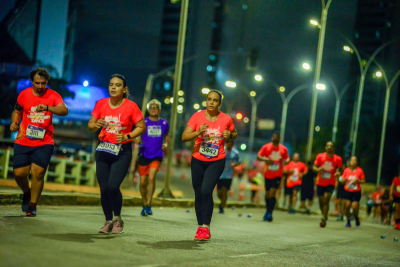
column 41, row 108
column 137, row 140
column 100, row 123
column 120, row 137
column 165, row 148
column 233, row 165
column 202, row 129
column 14, row 127
column 337, row 174
column 226, row 134
column 269, row 161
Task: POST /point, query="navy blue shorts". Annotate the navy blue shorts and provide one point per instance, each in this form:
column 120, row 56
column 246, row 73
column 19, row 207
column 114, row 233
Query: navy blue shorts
column 26, row 155
column 321, row 190
column 272, row 183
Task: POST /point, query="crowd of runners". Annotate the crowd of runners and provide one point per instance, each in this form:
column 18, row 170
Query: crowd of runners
column 119, row 123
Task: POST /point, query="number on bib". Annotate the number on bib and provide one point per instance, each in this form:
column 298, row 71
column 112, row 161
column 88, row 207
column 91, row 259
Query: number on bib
column 109, row 148
column 34, row 132
column 294, row 178
column 326, row 175
column 352, row 186
column 154, row 131
column 273, row 167
column 209, row 150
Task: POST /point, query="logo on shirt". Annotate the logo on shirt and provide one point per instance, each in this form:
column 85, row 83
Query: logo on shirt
column 275, row 156
column 114, row 124
column 212, row 136
column 37, row 117
column 327, row 166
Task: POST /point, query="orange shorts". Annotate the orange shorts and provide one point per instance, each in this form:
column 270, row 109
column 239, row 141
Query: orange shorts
column 144, row 170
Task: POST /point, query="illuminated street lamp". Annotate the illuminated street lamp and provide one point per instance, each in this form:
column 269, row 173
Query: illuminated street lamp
column 314, row 22
column 205, row 91
column 258, row 78
column 204, row 103
column 378, row 74
column 86, row 83
column 196, row 106
column 181, row 93
column 282, row 89
column 230, row 84
column 320, row 86
column 306, row 66
column 252, row 93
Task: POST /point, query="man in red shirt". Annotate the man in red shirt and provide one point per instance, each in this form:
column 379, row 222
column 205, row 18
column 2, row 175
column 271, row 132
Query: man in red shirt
column 295, row 171
column 34, row 144
column 328, row 165
column 274, row 155
column 395, row 198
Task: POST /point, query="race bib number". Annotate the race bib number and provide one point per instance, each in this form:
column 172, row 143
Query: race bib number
column 352, row 186
column 34, row 132
column 154, row 131
column 398, row 188
column 326, row 175
column 209, row 150
column 273, row 167
column 294, row 178
column 109, row 148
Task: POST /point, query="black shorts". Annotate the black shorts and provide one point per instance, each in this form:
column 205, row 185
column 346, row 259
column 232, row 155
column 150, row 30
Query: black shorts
column 272, row 183
column 224, row 183
column 289, row 190
column 26, row 155
column 307, row 195
column 352, row 196
column 341, row 192
column 396, row 199
column 321, row 190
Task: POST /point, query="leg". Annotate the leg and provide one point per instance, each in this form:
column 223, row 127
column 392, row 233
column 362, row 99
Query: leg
column 151, row 185
column 21, row 177
column 397, row 213
column 103, row 170
column 143, row 188
column 224, row 196
column 347, row 204
column 198, row 168
column 326, row 199
column 355, row 207
column 294, row 198
column 37, row 182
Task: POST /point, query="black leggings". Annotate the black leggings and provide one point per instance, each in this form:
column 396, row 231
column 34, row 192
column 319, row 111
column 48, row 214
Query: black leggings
column 205, row 176
column 111, row 171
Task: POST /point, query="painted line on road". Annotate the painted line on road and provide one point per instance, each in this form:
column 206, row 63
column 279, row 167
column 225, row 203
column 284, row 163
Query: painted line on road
column 248, row 255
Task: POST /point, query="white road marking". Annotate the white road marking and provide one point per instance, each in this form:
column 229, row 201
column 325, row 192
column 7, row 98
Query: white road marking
column 248, row 255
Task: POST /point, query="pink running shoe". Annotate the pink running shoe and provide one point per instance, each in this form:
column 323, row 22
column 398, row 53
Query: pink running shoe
column 397, row 227
column 199, row 233
column 107, row 228
column 206, row 233
column 118, row 226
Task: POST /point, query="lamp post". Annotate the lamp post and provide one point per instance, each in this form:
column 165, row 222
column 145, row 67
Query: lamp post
column 321, row 39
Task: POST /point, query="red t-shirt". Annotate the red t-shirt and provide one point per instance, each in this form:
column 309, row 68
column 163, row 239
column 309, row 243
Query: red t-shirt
column 122, row 118
column 396, row 182
column 376, row 196
column 277, row 154
column 293, row 177
column 327, row 175
column 41, row 121
column 348, row 175
column 210, row 145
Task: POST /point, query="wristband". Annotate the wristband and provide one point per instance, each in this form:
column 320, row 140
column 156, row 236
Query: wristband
column 230, row 137
column 47, row 107
column 129, row 136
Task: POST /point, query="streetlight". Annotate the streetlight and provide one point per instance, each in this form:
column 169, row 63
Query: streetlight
column 245, row 120
column 258, row 78
column 321, row 39
column 282, row 89
column 205, row 91
column 230, row 84
column 196, row 106
column 306, row 66
column 86, row 83
column 314, row 22
column 378, row 74
column 348, row 49
column 253, row 93
column 320, row 86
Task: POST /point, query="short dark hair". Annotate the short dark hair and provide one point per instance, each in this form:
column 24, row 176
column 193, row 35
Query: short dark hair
column 119, row 76
column 218, row 92
column 41, row 72
column 331, row 142
column 278, row 133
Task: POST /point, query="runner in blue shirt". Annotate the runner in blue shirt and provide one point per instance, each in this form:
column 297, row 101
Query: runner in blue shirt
column 225, row 181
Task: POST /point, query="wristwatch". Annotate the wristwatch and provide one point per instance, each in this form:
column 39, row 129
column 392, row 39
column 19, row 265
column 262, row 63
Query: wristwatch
column 230, row 137
column 129, row 136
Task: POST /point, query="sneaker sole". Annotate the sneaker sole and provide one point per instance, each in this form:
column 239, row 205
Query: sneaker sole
column 117, row 233
column 30, row 215
column 102, row 232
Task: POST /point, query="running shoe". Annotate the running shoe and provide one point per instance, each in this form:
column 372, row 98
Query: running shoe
column 206, row 233
column 292, row 211
column 143, row 213
column 358, row 221
column 221, row 210
column 31, row 211
column 340, row 218
column 397, row 227
column 322, row 223
column 269, row 217
column 148, row 210
column 348, row 225
column 199, row 233
column 118, row 226
column 26, row 199
column 107, row 228
column 265, row 218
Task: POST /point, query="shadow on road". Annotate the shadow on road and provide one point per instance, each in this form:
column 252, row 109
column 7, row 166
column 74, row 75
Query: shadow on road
column 79, row 238
column 179, row 244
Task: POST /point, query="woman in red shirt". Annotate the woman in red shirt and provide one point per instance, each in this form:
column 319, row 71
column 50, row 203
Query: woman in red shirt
column 116, row 116
column 395, row 198
column 209, row 128
column 353, row 177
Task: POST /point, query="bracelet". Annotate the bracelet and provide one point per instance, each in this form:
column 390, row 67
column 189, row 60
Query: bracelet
column 129, row 136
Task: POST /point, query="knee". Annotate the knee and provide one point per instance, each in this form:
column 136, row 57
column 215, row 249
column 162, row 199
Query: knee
column 20, row 173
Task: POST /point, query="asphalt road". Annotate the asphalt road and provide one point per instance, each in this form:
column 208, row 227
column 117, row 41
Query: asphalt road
column 67, row 236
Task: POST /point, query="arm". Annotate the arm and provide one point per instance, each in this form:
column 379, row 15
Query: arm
column 189, row 134
column 316, row 168
column 391, row 192
column 59, row 110
column 265, row 159
column 95, row 124
column 166, row 140
column 15, row 119
column 139, row 130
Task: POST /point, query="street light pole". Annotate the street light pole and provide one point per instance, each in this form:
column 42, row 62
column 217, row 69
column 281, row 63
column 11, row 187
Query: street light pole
column 166, row 191
column 254, row 105
column 320, row 50
column 385, row 115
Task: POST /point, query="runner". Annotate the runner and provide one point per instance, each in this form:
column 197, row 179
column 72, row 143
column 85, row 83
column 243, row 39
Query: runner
column 34, row 144
column 377, row 197
column 353, row 177
column 395, row 197
column 209, row 128
column 339, row 200
column 295, row 171
column 154, row 143
column 307, row 189
column 274, row 155
column 328, row 165
column 225, row 181
column 116, row 116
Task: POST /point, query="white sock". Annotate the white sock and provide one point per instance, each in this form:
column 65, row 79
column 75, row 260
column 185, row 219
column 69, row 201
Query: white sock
column 206, row 226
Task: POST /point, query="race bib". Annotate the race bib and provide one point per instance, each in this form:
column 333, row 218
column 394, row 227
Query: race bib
column 273, row 167
column 294, row 178
column 209, row 150
column 352, row 186
column 326, row 175
column 154, row 131
column 34, row 132
column 398, row 188
column 109, row 148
